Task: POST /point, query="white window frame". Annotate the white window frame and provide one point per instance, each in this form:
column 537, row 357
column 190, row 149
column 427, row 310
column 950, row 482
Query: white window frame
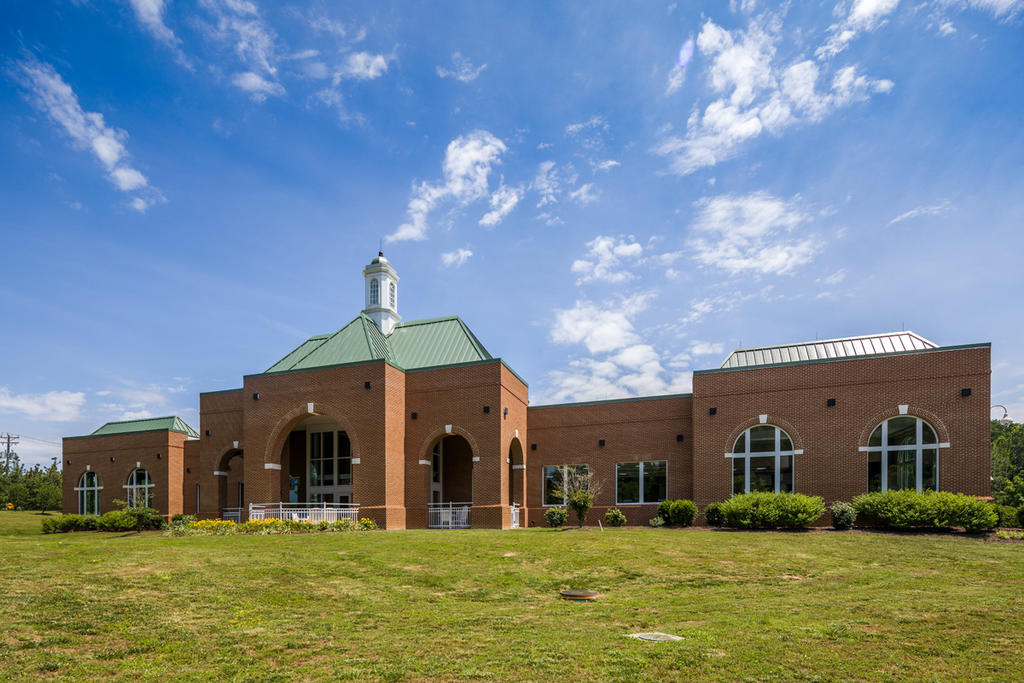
column 392, row 295
column 374, row 292
column 132, row 489
column 84, row 490
column 778, row 454
column 643, row 494
column 338, row 491
column 885, row 449
column 565, row 484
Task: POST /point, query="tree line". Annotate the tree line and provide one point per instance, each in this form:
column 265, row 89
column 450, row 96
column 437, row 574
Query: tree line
column 1008, row 463
column 35, row 488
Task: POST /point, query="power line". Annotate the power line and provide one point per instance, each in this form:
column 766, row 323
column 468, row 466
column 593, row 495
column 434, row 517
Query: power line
column 32, row 438
column 9, row 440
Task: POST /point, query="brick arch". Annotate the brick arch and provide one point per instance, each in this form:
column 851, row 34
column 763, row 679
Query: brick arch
column 287, row 422
column 912, row 411
column 772, row 421
column 440, row 433
column 226, row 456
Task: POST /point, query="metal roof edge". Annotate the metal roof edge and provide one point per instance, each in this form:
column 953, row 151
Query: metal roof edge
column 956, row 347
column 424, row 321
column 836, row 339
column 445, row 366
column 476, row 342
column 141, row 431
column 516, row 374
column 221, row 391
column 627, row 399
column 325, row 367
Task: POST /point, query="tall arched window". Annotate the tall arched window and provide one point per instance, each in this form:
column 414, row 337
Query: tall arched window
column 903, row 453
column 391, row 294
column 374, row 292
column 762, row 460
column 139, row 489
column 89, row 494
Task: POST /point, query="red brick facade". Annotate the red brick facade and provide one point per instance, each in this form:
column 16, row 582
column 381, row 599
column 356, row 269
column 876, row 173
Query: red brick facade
column 499, row 446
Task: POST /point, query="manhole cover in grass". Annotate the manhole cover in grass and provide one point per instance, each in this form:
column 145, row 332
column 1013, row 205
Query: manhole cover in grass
column 656, row 636
column 579, row 595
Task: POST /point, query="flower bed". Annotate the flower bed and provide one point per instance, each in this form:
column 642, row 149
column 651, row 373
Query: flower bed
column 221, row 527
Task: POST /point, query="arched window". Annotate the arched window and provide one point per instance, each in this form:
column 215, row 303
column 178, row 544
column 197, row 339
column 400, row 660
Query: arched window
column 762, row 460
column 374, row 292
column 391, row 295
column 903, row 453
column 89, row 494
column 139, row 489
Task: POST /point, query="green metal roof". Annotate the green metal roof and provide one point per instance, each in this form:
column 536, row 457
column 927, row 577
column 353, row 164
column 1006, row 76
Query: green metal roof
column 171, row 423
column 410, row 346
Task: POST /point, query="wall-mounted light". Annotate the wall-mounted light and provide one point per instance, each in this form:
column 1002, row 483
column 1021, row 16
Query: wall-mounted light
column 227, row 467
column 533, row 447
column 207, row 432
column 414, row 415
column 256, row 396
column 158, row 456
column 965, row 392
column 600, row 442
column 188, row 470
column 487, row 409
column 506, row 411
column 831, row 403
column 679, row 437
column 366, row 384
column 712, row 411
column 69, row 462
column 111, row 458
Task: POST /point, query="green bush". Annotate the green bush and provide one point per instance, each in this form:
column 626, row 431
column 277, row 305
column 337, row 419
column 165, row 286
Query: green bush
column 771, row 510
column 714, row 514
column 182, row 519
column 580, row 503
column 144, row 518
column 1007, row 515
column 677, row 512
column 929, row 509
column 1020, row 517
column 65, row 523
column 50, row 526
column 843, row 515
column 556, row 516
column 116, row 520
column 657, row 521
column 614, row 517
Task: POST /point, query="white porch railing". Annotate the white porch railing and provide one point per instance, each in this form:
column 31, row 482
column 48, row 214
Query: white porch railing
column 305, row 512
column 515, row 515
column 448, row 515
column 231, row 514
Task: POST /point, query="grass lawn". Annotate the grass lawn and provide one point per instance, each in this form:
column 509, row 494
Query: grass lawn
column 484, row 605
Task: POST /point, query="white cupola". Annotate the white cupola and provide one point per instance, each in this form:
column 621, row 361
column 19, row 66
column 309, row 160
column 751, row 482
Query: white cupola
column 381, row 293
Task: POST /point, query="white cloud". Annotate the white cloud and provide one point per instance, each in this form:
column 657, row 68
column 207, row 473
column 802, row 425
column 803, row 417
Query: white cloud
column 363, row 66
column 463, row 69
column 755, row 94
column 257, row 86
column 546, row 183
column 608, row 259
column 590, row 133
column 150, row 14
column 833, row 279
column 54, row 406
column 48, row 92
column 703, row 348
column 467, row 165
column 584, row 194
column 932, row 210
column 503, row 201
column 947, row 28
column 676, row 78
column 606, row 165
column 238, row 23
column 864, row 15
column 456, row 258
column 549, row 219
column 1000, row 9
column 600, row 328
column 752, row 233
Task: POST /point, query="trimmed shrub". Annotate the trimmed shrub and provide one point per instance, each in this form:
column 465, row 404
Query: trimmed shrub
column 556, row 516
column 144, row 518
column 580, row 503
column 843, row 515
column 1020, row 517
column 49, row 526
column 772, row 510
column 677, row 512
column 182, row 519
column 714, row 514
column 66, row 523
column 116, row 520
column 929, row 510
column 614, row 517
column 656, row 522
column 1007, row 515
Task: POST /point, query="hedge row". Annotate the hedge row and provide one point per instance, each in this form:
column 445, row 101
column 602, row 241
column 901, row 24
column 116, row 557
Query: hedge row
column 929, row 509
column 766, row 511
column 221, row 527
column 129, row 519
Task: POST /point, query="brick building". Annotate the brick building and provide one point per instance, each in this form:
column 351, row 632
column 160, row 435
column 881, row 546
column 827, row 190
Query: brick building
column 414, row 424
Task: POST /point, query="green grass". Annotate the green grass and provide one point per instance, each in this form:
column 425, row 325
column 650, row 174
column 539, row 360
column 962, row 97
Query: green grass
column 484, row 605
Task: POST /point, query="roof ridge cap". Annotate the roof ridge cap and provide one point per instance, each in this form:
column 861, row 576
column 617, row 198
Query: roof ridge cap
column 837, row 339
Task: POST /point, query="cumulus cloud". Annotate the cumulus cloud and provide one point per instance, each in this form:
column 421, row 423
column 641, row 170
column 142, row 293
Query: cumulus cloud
column 704, row 348
column 363, row 66
column 455, row 258
column 503, row 201
column 757, row 94
column 606, row 165
column 463, row 70
column 467, row 166
column 931, row 210
column 754, row 233
column 863, row 15
column 608, row 259
column 53, row 406
column 599, row 328
column 49, row 93
column 584, row 194
column 257, row 86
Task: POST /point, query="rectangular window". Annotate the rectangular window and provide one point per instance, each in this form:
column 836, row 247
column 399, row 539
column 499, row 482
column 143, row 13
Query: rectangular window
column 762, row 474
column 555, row 482
column 739, row 476
column 874, row 472
column 786, row 473
column 641, row 482
column 197, row 499
column 293, row 489
column 929, row 469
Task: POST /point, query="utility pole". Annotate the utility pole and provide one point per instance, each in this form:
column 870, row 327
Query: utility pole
column 9, row 441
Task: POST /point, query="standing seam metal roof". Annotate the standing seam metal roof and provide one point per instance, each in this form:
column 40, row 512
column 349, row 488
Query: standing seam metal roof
column 849, row 347
column 171, row 423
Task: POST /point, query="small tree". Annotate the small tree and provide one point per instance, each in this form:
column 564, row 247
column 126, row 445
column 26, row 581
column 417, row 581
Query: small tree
column 581, row 488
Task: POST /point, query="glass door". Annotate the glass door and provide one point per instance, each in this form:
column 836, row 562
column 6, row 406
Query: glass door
column 329, row 466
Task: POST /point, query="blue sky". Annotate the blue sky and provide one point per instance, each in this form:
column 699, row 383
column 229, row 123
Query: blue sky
column 190, row 189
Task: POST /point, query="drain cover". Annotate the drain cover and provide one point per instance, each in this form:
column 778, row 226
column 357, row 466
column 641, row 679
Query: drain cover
column 656, row 636
column 578, row 595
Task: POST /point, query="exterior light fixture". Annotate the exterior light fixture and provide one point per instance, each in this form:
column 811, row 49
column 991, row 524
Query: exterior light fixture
column 111, row 458
column 256, row 396
column 965, row 392
column 207, row 432
column 533, row 447
column 1004, row 420
column 366, row 384
column 487, row 409
column 188, row 470
column 712, row 411
column 414, row 415
column 679, row 437
column 158, row 456
column 831, row 403
column 506, row 411
column 600, row 442
column 69, row 462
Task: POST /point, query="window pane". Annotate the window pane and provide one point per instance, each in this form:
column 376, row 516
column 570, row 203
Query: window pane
column 927, row 433
column 344, row 447
column 327, row 473
column 655, row 481
column 328, row 444
column 741, row 444
column 785, row 443
column 876, row 437
column 435, row 468
column 786, row 474
column 314, row 473
column 553, row 494
column 628, row 482
column 293, row 489
column 902, row 470
column 929, row 469
column 314, row 445
column 875, row 471
column 739, row 475
column 762, row 474
column 344, row 471
column 762, row 440
column 902, row 432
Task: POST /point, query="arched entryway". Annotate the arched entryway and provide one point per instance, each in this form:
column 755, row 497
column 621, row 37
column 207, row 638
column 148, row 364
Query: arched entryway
column 515, row 481
column 450, row 493
column 317, row 457
column 230, row 475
